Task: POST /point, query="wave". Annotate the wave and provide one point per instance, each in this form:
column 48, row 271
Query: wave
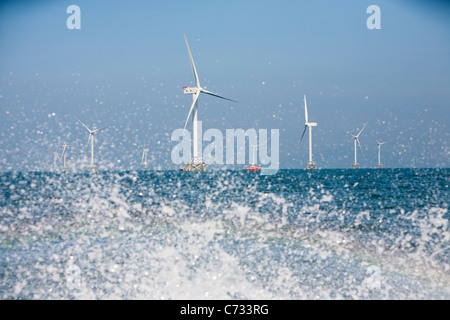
column 332, row 234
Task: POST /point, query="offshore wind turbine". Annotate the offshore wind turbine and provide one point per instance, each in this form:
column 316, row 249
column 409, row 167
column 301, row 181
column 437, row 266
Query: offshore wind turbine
column 144, row 158
column 309, row 125
column 253, row 167
column 379, row 165
column 356, row 139
column 63, row 155
column 92, row 166
column 197, row 163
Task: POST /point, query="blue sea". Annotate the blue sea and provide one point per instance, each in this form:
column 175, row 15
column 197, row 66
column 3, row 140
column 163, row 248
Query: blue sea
column 324, row 234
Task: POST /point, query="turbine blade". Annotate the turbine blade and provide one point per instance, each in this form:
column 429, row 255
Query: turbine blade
column 306, row 110
column 302, row 135
column 143, row 154
column 56, row 154
column 192, row 63
column 89, row 139
column 215, row 95
column 84, row 125
column 94, row 131
column 360, row 148
column 192, row 107
column 362, row 129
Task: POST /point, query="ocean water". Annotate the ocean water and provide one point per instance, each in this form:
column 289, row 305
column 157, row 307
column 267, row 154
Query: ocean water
column 327, row 234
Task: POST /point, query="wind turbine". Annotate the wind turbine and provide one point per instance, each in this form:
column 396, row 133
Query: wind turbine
column 379, row 165
column 197, row 164
column 92, row 166
column 63, row 155
column 309, row 125
column 253, row 167
column 356, row 139
column 144, row 158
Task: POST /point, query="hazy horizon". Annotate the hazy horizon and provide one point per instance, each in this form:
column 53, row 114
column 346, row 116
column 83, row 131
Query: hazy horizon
column 126, row 66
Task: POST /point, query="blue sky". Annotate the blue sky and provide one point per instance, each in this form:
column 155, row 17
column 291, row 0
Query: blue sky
column 126, row 66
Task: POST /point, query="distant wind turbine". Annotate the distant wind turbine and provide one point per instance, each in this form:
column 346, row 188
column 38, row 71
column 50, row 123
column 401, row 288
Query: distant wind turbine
column 356, row 139
column 197, row 164
column 63, row 155
column 92, row 166
column 309, row 125
column 379, row 165
column 144, row 160
column 253, row 167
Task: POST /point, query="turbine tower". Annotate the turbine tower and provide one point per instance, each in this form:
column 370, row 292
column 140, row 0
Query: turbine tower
column 309, row 125
column 253, row 154
column 356, row 139
column 144, row 160
column 379, row 165
column 55, row 158
column 92, row 166
column 63, row 155
column 253, row 167
column 197, row 163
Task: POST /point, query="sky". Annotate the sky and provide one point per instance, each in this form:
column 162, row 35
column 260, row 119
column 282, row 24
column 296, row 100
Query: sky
column 125, row 68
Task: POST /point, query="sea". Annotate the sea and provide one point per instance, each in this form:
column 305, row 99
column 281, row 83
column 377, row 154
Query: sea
column 329, row 234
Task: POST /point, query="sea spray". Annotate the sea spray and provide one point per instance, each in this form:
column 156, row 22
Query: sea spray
column 331, row 234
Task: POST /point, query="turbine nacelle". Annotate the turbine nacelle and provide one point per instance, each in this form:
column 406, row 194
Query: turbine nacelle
column 190, row 90
column 311, row 124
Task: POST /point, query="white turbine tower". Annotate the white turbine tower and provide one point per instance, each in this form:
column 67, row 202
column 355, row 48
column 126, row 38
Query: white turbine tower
column 379, row 165
column 144, row 160
column 55, row 158
column 253, row 167
column 309, row 125
column 92, row 166
column 63, row 155
column 356, row 139
column 197, row 164
column 253, row 155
